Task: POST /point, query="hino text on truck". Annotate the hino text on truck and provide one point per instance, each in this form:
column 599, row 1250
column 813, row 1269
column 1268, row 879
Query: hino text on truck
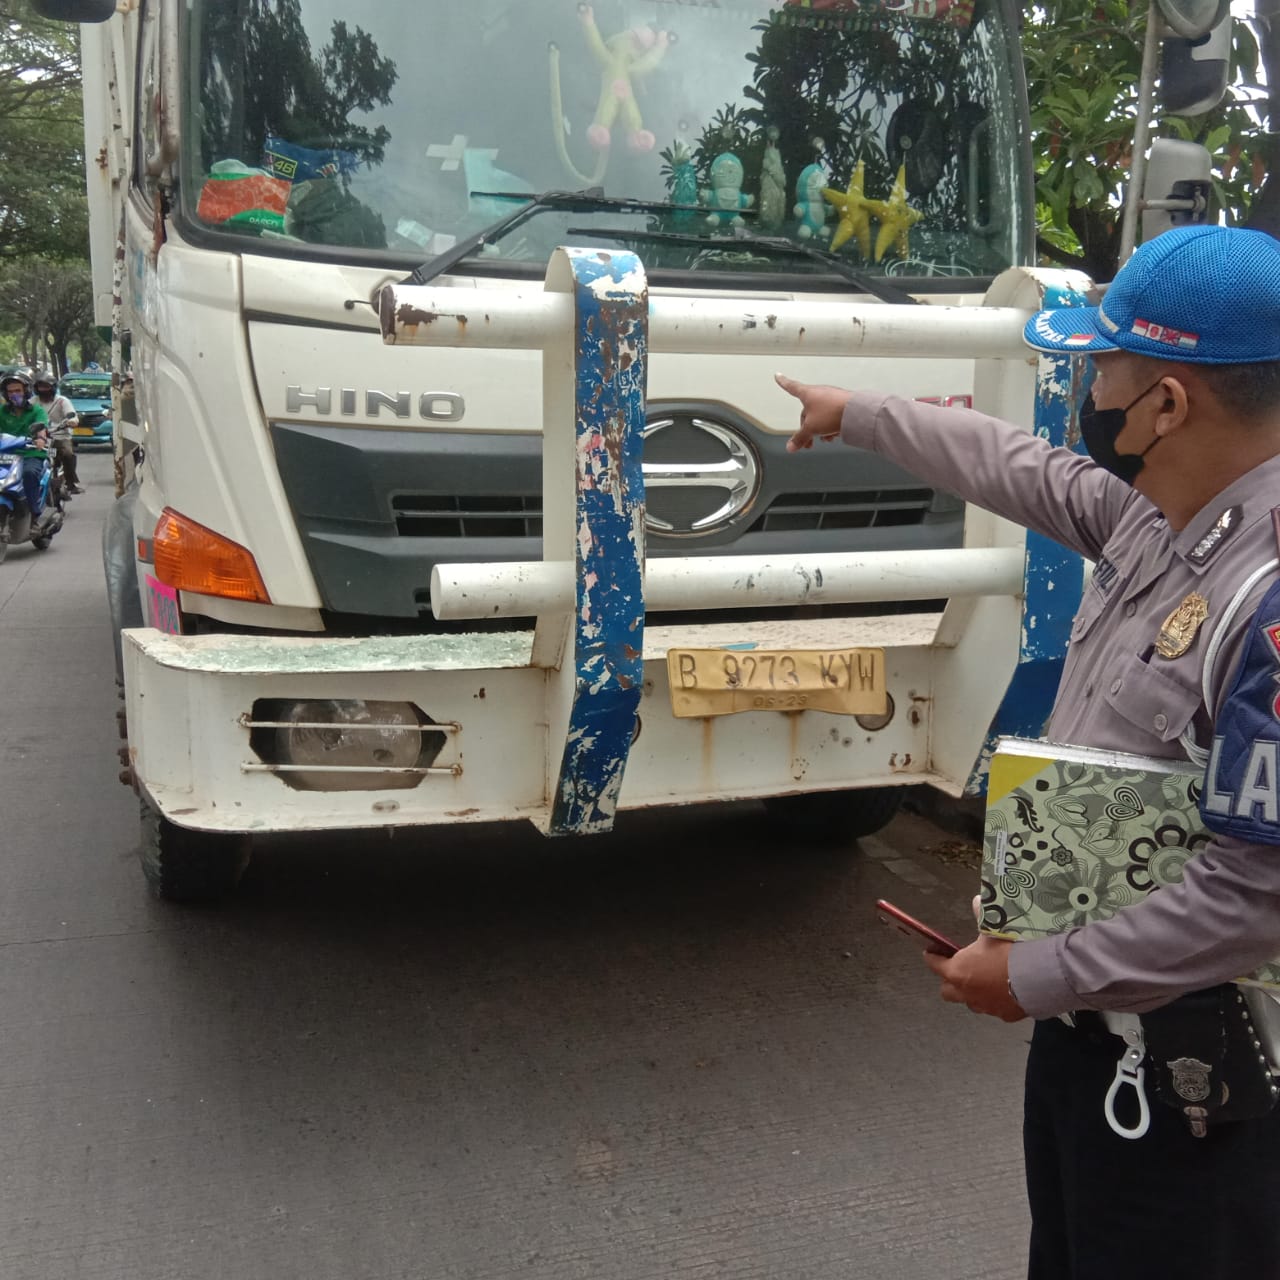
column 454, row 486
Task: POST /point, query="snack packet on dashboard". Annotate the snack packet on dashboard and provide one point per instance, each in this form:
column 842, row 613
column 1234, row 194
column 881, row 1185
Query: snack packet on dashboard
column 293, row 163
column 234, row 193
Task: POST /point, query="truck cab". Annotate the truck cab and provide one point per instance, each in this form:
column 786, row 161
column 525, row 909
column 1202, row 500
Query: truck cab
column 317, row 156
column 321, row 236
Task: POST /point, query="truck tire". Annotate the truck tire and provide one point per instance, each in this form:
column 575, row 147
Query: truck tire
column 835, row 815
column 120, row 567
column 182, row 865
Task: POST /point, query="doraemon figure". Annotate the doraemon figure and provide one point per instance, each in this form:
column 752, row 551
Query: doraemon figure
column 725, row 197
column 811, row 208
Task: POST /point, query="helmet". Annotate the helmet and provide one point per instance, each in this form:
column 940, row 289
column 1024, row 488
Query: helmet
column 43, row 375
column 19, row 377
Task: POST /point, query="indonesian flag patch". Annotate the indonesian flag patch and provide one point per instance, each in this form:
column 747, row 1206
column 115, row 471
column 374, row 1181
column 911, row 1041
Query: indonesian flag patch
column 1162, row 333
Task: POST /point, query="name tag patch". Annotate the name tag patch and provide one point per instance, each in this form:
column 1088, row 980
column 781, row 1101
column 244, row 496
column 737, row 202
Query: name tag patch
column 1104, row 576
column 1241, row 797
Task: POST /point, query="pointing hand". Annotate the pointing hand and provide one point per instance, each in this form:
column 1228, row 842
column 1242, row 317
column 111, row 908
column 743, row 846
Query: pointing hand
column 821, row 409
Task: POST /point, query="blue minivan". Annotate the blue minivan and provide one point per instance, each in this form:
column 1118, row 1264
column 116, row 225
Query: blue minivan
column 90, row 394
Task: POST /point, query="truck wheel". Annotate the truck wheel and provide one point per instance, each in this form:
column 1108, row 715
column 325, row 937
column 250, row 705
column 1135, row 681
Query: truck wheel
column 835, row 815
column 182, row 865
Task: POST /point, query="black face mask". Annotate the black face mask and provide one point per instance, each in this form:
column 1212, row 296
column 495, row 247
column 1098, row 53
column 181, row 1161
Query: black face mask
column 1100, row 429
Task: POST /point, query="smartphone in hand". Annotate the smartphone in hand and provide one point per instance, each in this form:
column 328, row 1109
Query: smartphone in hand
column 910, row 927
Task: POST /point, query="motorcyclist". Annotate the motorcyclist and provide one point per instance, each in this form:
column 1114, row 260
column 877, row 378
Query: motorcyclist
column 20, row 416
column 62, row 417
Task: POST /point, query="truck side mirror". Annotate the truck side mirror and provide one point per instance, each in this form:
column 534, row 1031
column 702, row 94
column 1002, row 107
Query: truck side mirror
column 1193, row 73
column 1176, row 190
column 75, row 10
column 1192, row 19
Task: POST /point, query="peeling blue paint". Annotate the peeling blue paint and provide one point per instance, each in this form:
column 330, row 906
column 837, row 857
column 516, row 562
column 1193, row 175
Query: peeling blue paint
column 1053, row 578
column 610, row 362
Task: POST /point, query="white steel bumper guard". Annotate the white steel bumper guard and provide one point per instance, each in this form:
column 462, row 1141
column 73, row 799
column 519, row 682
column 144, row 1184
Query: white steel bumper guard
column 544, row 725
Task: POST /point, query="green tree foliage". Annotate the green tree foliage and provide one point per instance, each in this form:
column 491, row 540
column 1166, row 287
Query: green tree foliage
column 1083, row 59
column 42, row 185
column 46, row 300
column 51, row 305
column 851, row 90
column 263, row 76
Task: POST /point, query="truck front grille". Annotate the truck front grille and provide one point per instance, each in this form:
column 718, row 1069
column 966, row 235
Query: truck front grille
column 507, row 516
column 420, row 515
column 845, row 509
column 378, row 510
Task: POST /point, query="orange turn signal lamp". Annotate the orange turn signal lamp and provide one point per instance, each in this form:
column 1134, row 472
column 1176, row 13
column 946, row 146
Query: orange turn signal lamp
column 190, row 557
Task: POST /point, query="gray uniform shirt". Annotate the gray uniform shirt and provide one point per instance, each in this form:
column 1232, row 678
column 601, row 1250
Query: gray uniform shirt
column 1223, row 920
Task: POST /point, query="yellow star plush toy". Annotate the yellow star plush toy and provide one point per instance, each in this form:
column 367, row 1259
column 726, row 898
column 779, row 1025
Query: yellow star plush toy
column 855, row 218
column 896, row 217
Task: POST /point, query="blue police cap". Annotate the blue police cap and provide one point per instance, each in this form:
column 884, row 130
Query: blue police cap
column 1201, row 295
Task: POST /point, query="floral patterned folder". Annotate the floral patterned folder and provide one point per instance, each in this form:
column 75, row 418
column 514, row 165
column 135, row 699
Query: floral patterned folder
column 1073, row 835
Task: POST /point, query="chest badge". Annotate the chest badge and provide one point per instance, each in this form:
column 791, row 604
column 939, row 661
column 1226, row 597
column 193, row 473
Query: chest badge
column 1179, row 629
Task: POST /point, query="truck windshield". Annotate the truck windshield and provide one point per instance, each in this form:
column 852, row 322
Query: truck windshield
column 892, row 133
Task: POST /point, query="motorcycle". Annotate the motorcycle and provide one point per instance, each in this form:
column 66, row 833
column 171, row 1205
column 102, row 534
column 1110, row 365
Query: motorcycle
column 59, row 494
column 16, row 524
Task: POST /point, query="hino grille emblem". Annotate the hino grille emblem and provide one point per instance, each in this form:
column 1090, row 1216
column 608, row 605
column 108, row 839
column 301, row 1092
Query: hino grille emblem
column 737, row 474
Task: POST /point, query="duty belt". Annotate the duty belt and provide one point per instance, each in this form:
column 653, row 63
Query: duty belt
column 1205, row 1054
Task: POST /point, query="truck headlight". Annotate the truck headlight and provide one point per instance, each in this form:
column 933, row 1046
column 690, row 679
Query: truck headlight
column 347, row 744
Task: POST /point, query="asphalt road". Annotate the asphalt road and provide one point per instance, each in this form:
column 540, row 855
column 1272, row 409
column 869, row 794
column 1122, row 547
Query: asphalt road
column 684, row 1050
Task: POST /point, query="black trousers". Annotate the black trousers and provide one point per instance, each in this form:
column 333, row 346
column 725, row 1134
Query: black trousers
column 1166, row 1206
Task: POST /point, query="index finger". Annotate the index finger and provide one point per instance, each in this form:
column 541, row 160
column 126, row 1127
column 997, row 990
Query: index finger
column 789, row 385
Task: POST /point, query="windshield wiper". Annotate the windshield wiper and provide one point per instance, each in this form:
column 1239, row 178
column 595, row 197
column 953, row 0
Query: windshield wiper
column 877, row 286
column 578, row 201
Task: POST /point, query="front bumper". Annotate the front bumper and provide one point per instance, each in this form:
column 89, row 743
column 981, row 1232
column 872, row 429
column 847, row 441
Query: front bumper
column 190, row 699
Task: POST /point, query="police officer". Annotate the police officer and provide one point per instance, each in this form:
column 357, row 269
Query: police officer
column 1175, row 652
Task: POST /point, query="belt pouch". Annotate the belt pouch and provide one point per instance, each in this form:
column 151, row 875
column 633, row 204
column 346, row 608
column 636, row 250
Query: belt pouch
column 1208, row 1059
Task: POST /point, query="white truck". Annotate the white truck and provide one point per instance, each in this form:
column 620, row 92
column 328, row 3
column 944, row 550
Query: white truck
column 454, row 485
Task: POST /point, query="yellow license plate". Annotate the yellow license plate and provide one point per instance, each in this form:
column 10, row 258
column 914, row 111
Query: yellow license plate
column 82, row 431
column 719, row 682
